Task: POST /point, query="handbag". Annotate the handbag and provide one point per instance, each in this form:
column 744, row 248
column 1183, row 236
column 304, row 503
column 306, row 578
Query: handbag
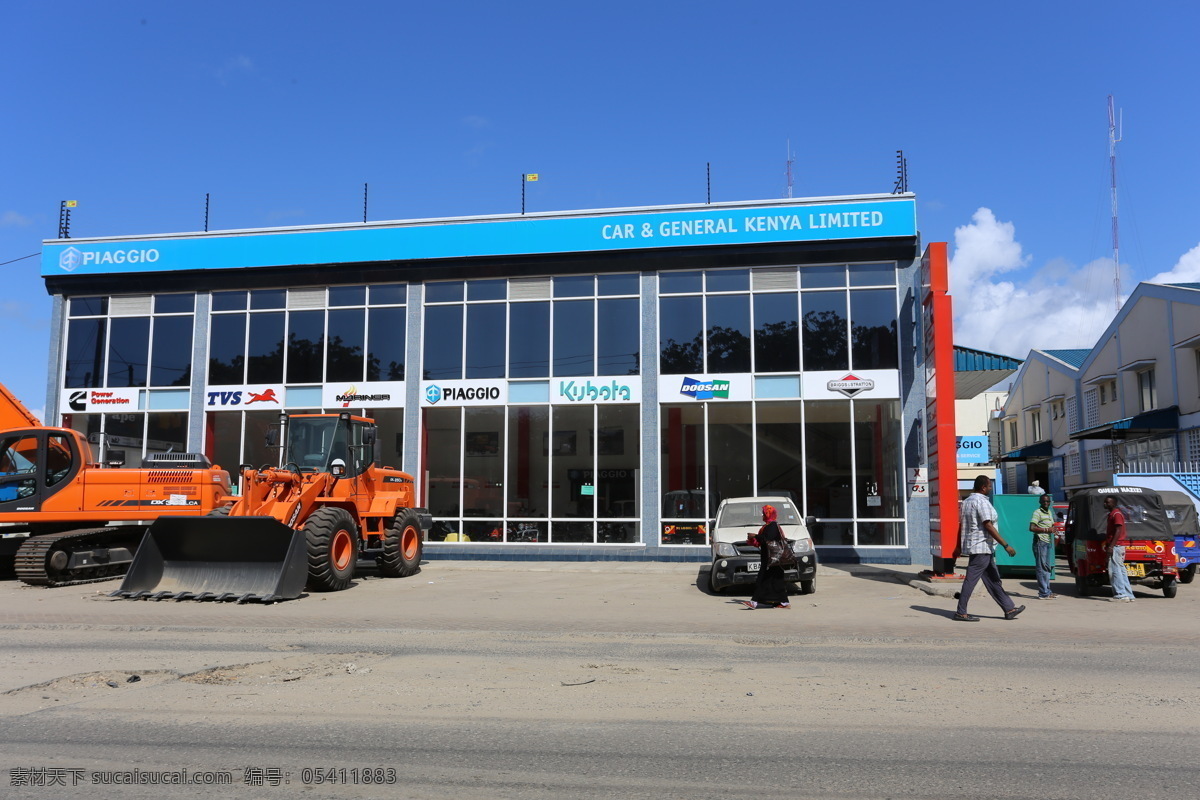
column 779, row 553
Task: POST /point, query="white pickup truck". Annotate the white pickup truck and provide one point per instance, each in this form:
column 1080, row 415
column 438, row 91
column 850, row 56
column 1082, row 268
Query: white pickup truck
column 737, row 563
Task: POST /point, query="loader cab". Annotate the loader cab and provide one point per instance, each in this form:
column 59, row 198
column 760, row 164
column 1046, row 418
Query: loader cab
column 36, row 463
column 315, row 441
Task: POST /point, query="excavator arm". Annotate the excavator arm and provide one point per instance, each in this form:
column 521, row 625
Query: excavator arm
column 13, row 413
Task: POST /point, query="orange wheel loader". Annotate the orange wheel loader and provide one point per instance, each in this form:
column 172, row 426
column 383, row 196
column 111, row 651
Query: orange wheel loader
column 307, row 523
column 66, row 519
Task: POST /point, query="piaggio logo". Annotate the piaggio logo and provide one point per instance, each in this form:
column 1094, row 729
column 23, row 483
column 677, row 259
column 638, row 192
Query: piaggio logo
column 433, row 394
column 851, row 385
column 704, row 390
column 70, row 259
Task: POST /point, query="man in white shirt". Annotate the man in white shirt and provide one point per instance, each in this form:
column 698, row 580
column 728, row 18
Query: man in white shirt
column 979, row 537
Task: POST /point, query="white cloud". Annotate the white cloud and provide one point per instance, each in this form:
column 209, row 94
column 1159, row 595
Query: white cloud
column 1057, row 306
column 1186, row 269
column 476, row 121
column 11, row 219
column 233, row 66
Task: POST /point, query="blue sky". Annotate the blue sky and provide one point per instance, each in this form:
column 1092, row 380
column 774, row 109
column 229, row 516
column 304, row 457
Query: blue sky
column 282, row 111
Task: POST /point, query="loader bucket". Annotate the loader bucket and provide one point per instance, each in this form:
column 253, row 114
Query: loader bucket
column 217, row 558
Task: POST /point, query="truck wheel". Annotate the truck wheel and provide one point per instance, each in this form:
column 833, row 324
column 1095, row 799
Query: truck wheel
column 1170, row 588
column 332, row 540
column 712, row 582
column 402, row 546
column 1083, row 587
column 809, row 587
column 1188, row 575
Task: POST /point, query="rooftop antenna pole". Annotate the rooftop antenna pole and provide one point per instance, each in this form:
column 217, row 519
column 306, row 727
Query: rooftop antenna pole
column 791, row 159
column 708, row 182
column 364, row 202
column 206, row 212
column 1115, row 125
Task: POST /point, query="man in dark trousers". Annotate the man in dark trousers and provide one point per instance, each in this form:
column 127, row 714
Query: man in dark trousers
column 979, row 537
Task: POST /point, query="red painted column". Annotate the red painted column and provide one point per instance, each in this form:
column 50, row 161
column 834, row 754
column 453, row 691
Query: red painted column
column 939, row 408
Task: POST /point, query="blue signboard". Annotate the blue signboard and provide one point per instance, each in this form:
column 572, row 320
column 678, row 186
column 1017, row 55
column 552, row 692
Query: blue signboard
column 596, row 232
column 973, row 449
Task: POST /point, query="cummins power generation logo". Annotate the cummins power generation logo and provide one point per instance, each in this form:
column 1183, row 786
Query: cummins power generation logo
column 704, row 390
column 851, row 385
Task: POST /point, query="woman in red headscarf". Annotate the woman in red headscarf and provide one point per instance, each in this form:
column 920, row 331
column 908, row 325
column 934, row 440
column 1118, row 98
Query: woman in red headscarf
column 770, row 588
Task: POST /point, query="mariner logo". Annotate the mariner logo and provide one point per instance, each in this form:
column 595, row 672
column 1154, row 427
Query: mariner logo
column 704, row 390
column 851, row 385
column 433, row 394
column 70, row 259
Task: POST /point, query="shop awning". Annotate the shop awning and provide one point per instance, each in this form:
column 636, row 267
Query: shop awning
column 1160, row 420
column 1033, row 452
column 976, row 371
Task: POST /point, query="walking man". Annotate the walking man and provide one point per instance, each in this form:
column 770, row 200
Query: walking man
column 1114, row 545
column 979, row 538
column 1042, row 528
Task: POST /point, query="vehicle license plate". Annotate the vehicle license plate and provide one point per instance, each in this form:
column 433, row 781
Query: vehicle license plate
column 1135, row 569
column 753, row 566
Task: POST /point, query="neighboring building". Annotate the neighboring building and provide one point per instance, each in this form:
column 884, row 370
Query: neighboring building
column 977, row 406
column 583, row 385
column 1129, row 404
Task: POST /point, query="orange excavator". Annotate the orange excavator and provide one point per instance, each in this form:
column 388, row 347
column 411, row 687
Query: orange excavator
column 66, row 519
column 307, row 523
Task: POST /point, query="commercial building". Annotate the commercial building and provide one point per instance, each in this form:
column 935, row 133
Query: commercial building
column 571, row 385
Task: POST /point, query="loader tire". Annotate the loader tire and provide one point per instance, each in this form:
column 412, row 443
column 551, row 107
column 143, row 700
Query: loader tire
column 402, row 546
column 223, row 511
column 332, row 540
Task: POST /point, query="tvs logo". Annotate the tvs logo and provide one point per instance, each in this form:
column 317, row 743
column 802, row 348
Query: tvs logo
column 704, row 390
column 851, row 385
column 433, row 394
column 70, row 259
column 266, row 397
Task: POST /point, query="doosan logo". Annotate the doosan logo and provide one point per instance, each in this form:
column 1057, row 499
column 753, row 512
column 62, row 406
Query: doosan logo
column 72, row 258
column 704, row 390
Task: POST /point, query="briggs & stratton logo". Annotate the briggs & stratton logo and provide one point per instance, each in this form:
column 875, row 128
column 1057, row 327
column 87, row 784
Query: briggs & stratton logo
column 70, row 259
column 851, row 385
column 704, row 390
column 433, row 394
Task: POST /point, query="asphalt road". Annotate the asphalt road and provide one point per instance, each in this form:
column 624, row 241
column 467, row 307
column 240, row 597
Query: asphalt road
column 589, row 681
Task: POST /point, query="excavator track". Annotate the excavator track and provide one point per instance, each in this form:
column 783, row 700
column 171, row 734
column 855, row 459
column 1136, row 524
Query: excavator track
column 79, row 556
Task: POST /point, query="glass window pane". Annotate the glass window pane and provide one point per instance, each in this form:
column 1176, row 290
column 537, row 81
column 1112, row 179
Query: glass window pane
column 385, row 343
column 608, row 285
column 572, row 532
column 443, row 451
column 87, row 306
column 345, row 344
column 618, row 437
column 574, row 353
column 728, row 333
column 347, row 295
column 827, row 439
column 85, row 354
column 572, row 484
column 685, row 506
column 727, row 280
column 730, row 451
column 824, row 336
column 390, row 425
column 828, row 277
column 306, row 346
column 779, row 435
column 174, row 303
column 444, row 292
column 223, row 442
column 485, row 340
column 574, row 286
column 528, row 466
column 128, row 351
column 881, row 533
column 389, row 294
column 167, row 432
column 776, row 333
column 619, row 334
column 680, row 282
column 227, row 349
column 873, row 335
column 171, row 357
column 268, row 298
column 493, row 289
column 264, row 361
column 443, row 343
column 878, row 458
column 529, row 340
column 680, row 335
column 124, row 436
column 873, row 274
column 483, row 465
column 228, row 301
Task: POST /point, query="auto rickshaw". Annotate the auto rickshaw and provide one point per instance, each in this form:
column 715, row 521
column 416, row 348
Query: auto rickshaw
column 1149, row 553
column 1181, row 511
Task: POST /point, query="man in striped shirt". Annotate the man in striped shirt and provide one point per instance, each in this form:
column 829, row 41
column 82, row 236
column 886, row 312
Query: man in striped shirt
column 979, row 537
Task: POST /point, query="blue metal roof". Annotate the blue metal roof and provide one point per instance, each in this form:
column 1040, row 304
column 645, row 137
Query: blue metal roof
column 1073, row 357
column 968, row 360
